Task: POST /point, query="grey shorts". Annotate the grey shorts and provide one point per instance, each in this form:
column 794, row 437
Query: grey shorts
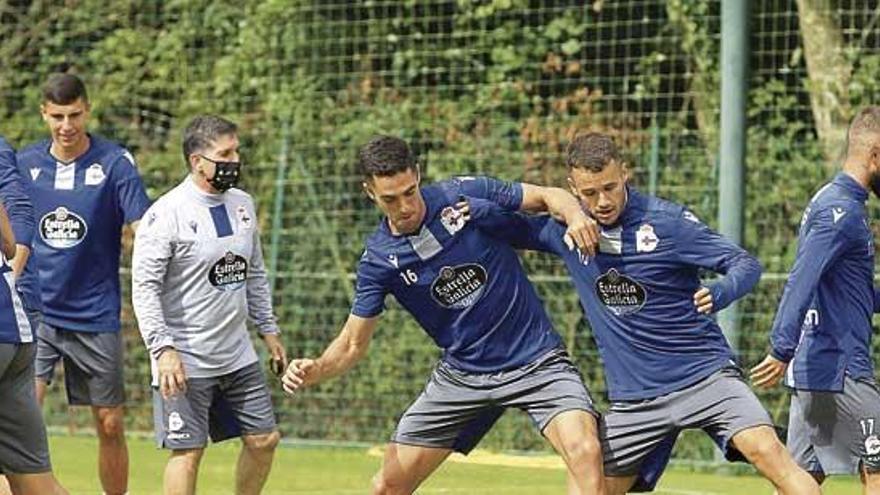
column 456, row 409
column 222, row 407
column 836, row 432
column 93, row 364
column 23, row 446
column 638, row 436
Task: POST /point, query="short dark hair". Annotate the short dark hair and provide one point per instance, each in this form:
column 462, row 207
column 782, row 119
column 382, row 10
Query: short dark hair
column 203, row 131
column 591, row 151
column 64, row 89
column 384, row 156
column 864, row 128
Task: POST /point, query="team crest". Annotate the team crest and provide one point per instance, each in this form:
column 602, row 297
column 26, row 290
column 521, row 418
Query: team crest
column 175, row 422
column 244, row 218
column 872, row 445
column 452, row 219
column 94, row 174
column 646, row 239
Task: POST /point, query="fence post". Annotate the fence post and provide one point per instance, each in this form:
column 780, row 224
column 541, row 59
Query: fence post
column 734, row 95
column 278, row 205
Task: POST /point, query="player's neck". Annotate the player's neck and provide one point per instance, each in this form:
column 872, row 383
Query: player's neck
column 858, row 172
column 68, row 154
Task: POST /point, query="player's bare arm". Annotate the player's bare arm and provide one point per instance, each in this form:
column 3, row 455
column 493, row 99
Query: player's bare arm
column 582, row 230
column 340, row 356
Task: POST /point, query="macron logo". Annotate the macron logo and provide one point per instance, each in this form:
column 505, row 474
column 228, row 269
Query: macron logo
column 35, row 172
column 838, row 213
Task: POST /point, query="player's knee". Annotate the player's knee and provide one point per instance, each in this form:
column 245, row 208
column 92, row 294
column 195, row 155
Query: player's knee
column 583, row 451
column 870, row 478
column 766, row 453
column 383, row 484
column 264, row 443
column 110, row 424
column 187, row 460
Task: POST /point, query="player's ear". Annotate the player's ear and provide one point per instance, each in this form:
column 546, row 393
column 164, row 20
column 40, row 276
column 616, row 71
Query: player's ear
column 368, row 191
column 571, row 186
column 194, row 163
column 43, row 112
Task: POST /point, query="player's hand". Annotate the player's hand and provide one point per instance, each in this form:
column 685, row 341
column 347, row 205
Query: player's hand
column 277, row 354
column 768, row 372
column 582, row 233
column 300, row 373
column 172, row 377
column 464, row 209
column 703, row 300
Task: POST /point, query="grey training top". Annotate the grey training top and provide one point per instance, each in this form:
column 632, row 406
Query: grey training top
column 197, row 274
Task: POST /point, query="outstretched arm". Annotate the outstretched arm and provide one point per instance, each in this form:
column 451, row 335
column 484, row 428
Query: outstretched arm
column 349, row 347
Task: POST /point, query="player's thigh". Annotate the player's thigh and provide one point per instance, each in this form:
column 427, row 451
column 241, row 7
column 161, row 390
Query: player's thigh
column 800, row 437
column 49, row 351
column 545, row 389
column 454, row 411
column 405, row 467
column 243, row 405
column 181, row 421
column 843, row 427
column 23, row 445
column 722, row 405
column 637, row 435
column 94, row 369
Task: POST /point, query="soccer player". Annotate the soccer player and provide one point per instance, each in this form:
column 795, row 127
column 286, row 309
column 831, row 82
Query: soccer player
column 822, row 331
column 24, row 452
column 197, row 276
column 668, row 367
column 84, row 189
column 469, row 292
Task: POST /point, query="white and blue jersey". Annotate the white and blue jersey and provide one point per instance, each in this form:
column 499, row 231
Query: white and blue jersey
column 637, row 293
column 823, row 324
column 14, row 325
column 465, row 288
column 80, row 208
column 21, row 213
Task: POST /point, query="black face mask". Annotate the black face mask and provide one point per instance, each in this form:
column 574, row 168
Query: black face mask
column 226, row 174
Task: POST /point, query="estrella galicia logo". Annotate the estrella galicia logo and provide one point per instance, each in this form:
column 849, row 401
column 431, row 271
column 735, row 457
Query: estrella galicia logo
column 458, row 287
column 62, row 228
column 229, row 273
column 619, row 293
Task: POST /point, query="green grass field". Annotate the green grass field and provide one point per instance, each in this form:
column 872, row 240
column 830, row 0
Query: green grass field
column 344, row 471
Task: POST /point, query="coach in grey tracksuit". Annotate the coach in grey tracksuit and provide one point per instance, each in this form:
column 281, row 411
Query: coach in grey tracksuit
column 197, row 275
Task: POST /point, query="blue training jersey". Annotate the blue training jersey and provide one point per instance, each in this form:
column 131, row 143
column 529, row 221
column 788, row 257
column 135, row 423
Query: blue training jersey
column 14, row 325
column 823, row 324
column 637, row 293
column 21, row 213
column 80, row 208
column 465, row 288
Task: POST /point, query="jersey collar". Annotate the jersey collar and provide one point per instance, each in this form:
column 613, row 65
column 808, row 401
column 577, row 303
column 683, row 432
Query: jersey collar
column 849, row 184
